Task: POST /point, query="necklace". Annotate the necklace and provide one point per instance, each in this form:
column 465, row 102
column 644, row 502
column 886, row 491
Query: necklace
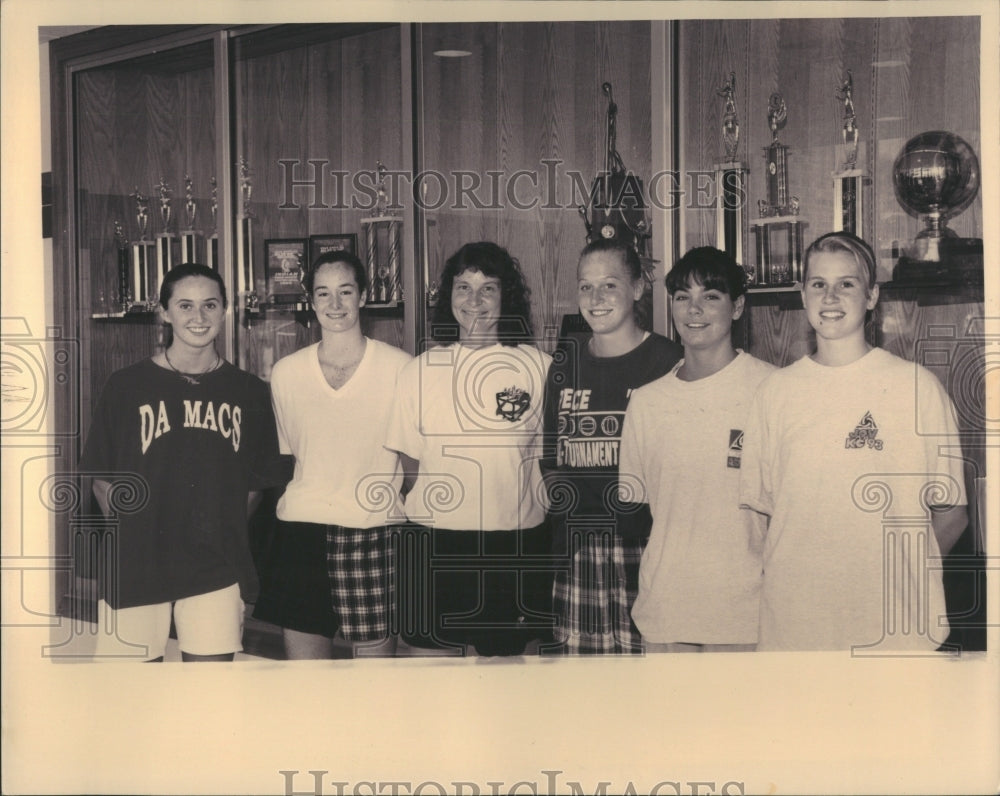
column 190, row 377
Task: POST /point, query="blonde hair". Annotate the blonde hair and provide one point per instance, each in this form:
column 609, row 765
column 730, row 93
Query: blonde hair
column 849, row 244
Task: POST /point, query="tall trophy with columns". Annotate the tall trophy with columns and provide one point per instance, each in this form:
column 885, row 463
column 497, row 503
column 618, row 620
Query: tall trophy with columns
column 165, row 240
column 143, row 258
column 382, row 239
column 778, row 228
column 189, row 237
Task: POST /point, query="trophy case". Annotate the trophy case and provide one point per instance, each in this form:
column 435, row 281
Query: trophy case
column 877, row 139
column 317, row 111
column 224, row 146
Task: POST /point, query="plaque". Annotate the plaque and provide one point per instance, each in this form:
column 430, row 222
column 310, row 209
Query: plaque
column 286, row 261
column 848, row 180
column 321, row 244
column 730, row 180
column 189, row 237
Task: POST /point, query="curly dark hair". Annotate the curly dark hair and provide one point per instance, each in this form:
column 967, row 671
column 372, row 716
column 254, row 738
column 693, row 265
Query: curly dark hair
column 489, row 259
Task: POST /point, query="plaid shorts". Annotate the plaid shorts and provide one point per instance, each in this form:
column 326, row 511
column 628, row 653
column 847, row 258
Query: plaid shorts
column 362, row 571
column 593, row 599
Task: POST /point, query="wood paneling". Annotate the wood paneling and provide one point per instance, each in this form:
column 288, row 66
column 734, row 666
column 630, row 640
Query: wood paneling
column 528, row 102
column 335, row 102
column 135, row 124
column 898, row 92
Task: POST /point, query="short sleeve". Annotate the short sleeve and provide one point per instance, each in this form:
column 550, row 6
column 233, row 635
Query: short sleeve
column 265, row 468
column 756, row 462
column 283, row 412
column 98, row 452
column 550, row 410
column 631, row 475
column 938, row 426
column 403, row 431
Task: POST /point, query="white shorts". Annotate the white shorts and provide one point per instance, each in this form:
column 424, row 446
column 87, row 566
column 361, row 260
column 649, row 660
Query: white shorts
column 207, row 624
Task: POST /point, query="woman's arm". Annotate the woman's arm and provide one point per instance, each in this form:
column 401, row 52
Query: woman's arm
column 949, row 523
column 410, row 469
column 101, row 489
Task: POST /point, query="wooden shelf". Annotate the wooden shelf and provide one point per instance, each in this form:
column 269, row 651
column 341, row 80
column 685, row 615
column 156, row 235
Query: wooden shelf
column 793, row 288
column 132, row 316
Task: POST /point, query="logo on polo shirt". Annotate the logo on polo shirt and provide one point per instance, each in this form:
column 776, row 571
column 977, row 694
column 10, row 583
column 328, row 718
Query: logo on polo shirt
column 864, row 433
column 735, row 448
column 512, row 403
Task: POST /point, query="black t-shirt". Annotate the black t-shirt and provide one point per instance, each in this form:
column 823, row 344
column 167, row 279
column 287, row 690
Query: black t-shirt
column 585, row 402
column 191, row 452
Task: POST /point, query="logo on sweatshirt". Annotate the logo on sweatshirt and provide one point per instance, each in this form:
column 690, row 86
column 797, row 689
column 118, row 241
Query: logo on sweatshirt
column 864, row 433
column 512, row 403
column 735, row 448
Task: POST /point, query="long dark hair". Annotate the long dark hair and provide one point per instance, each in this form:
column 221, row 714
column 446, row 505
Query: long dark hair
column 183, row 271
column 489, row 259
column 337, row 258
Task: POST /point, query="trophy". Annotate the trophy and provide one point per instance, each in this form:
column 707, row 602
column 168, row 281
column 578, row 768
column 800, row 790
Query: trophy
column 142, row 255
column 189, row 237
column 848, row 180
column 382, row 234
column 779, row 261
column 617, row 208
column 936, row 176
column 164, row 240
column 244, row 238
column 212, row 246
column 730, row 179
column 124, row 297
